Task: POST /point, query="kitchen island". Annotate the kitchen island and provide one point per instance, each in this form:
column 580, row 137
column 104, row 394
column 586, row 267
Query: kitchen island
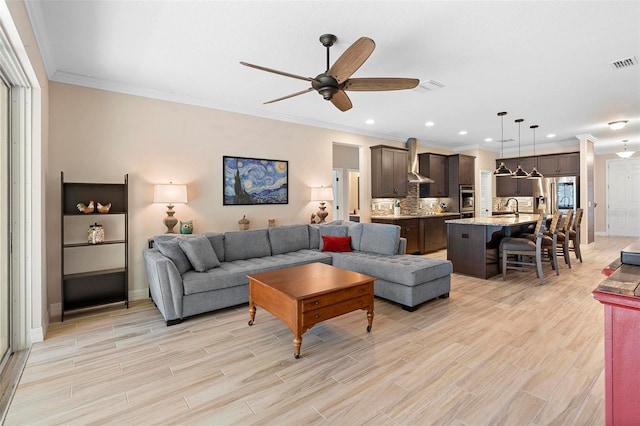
column 472, row 243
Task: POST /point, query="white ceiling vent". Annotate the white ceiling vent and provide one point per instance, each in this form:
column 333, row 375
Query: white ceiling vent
column 624, row 63
column 428, row 86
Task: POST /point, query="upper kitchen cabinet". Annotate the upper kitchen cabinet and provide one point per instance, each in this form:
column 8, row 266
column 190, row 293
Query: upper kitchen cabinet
column 435, row 166
column 559, row 164
column 462, row 168
column 507, row 186
column 389, row 168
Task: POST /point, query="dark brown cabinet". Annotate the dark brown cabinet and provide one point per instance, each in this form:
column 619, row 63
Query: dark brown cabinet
column 93, row 274
column 409, row 229
column 559, row 164
column 435, row 166
column 389, row 168
column 423, row 234
column 509, row 187
column 434, row 234
column 462, row 171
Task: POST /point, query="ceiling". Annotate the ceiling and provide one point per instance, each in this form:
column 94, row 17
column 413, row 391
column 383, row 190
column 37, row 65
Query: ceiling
column 546, row 62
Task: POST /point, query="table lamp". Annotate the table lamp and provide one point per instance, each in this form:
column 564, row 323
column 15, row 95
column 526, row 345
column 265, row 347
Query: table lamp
column 322, row 194
column 170, row 194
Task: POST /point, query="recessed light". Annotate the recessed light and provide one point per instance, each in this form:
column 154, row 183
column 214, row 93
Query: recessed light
column 551, row 135
column 462, row 132
column 429, row 123
column 488, row 140
column 370, row 121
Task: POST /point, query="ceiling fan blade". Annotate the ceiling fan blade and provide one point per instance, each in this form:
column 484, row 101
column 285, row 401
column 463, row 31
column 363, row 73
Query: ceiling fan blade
column 384, row 83
column 341, row 101
column 352, row 59
column 302, row 92
column 286, row 74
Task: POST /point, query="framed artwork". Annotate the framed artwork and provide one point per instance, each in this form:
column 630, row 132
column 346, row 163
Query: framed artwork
column 249, row 181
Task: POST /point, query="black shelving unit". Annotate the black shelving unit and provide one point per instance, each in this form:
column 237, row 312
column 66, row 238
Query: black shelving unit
column 100, row 286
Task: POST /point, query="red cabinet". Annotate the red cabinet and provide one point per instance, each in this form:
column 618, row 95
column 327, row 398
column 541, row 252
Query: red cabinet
column 622, row 357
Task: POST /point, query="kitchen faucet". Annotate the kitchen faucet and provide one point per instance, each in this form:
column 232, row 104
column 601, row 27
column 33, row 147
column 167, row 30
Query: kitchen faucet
column 517, row 208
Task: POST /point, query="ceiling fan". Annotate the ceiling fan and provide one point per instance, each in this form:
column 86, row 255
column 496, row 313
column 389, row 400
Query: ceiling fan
column 333, row 83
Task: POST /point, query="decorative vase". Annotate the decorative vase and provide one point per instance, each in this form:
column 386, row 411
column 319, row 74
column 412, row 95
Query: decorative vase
column 95, row 234
column 243, row 223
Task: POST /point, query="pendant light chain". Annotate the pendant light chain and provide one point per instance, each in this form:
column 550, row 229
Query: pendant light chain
column 535, row 174
column 519, row 173
column 502, row 170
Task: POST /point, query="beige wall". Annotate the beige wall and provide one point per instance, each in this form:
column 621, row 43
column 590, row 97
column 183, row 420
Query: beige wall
column 99, row 136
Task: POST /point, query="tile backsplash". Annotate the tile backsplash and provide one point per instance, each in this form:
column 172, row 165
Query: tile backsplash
column 412, row 205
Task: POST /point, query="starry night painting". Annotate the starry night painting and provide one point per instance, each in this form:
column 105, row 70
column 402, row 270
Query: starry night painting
column 249, row 181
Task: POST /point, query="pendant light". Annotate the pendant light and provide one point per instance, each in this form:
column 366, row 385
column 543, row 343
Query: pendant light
column 535, row 174
column 519, row 173
column 624, row 153
column 502, row 170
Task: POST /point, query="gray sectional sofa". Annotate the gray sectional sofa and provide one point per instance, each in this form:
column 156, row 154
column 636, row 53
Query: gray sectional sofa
column 193, row 274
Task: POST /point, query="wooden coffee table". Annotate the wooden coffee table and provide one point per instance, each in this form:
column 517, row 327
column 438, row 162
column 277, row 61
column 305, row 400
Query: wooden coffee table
column 302, row 296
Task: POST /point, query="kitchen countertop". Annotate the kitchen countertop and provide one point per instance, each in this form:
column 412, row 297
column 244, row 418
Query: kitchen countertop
column 418, row 216
column 504, row 220
column 625, row 280
column 503, row 212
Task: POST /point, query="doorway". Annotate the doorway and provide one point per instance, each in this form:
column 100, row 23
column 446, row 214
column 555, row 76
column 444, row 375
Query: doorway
column 623, row 197
column 345, row 182
column 5, row 225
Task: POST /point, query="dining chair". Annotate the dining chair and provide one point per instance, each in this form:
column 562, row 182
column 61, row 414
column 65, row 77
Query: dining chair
column 517, row 251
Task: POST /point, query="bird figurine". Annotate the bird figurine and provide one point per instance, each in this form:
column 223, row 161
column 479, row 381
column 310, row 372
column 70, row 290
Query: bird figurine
column 86, row 209
column 103, row 209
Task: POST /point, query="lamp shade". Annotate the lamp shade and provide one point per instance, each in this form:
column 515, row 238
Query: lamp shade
column 322, row 194
column 169, row 194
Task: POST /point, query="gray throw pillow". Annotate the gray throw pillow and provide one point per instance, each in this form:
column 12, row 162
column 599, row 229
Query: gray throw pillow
column 200, row 253
column 172, row 250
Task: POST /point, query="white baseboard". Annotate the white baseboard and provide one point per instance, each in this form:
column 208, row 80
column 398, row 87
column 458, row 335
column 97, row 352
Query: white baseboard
column 55, row 309
column 139, row 294
column 37, row 334
column 602, row 234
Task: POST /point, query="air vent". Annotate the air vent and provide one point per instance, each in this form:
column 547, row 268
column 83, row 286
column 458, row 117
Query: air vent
column 624, row 63
column 428, row 86
column 508, row 140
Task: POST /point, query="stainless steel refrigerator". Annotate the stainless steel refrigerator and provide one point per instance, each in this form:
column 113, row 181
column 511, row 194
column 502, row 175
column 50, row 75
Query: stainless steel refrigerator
column 559, row 193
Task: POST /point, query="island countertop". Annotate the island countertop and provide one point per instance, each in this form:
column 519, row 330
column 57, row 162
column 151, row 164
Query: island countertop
column 504, row 220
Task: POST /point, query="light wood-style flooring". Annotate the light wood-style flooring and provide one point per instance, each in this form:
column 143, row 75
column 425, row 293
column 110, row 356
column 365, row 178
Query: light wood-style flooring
column 510, row 353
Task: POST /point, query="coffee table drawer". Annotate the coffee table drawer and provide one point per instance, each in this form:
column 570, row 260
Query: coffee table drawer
column 313, row 317
column 335, row 297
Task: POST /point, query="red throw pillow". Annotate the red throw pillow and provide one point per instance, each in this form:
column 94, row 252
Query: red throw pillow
column 336, row 243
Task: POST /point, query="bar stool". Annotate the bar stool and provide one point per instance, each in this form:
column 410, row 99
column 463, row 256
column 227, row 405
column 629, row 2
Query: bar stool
column 574, row 235
column 563, row 237
column 515, row 250
column 549, row 241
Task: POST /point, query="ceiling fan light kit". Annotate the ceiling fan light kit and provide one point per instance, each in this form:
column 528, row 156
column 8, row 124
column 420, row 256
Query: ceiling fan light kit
column 333, row 83
column 502, row 170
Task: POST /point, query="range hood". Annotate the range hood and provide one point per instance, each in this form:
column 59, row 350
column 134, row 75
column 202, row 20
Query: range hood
column 413, row 175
